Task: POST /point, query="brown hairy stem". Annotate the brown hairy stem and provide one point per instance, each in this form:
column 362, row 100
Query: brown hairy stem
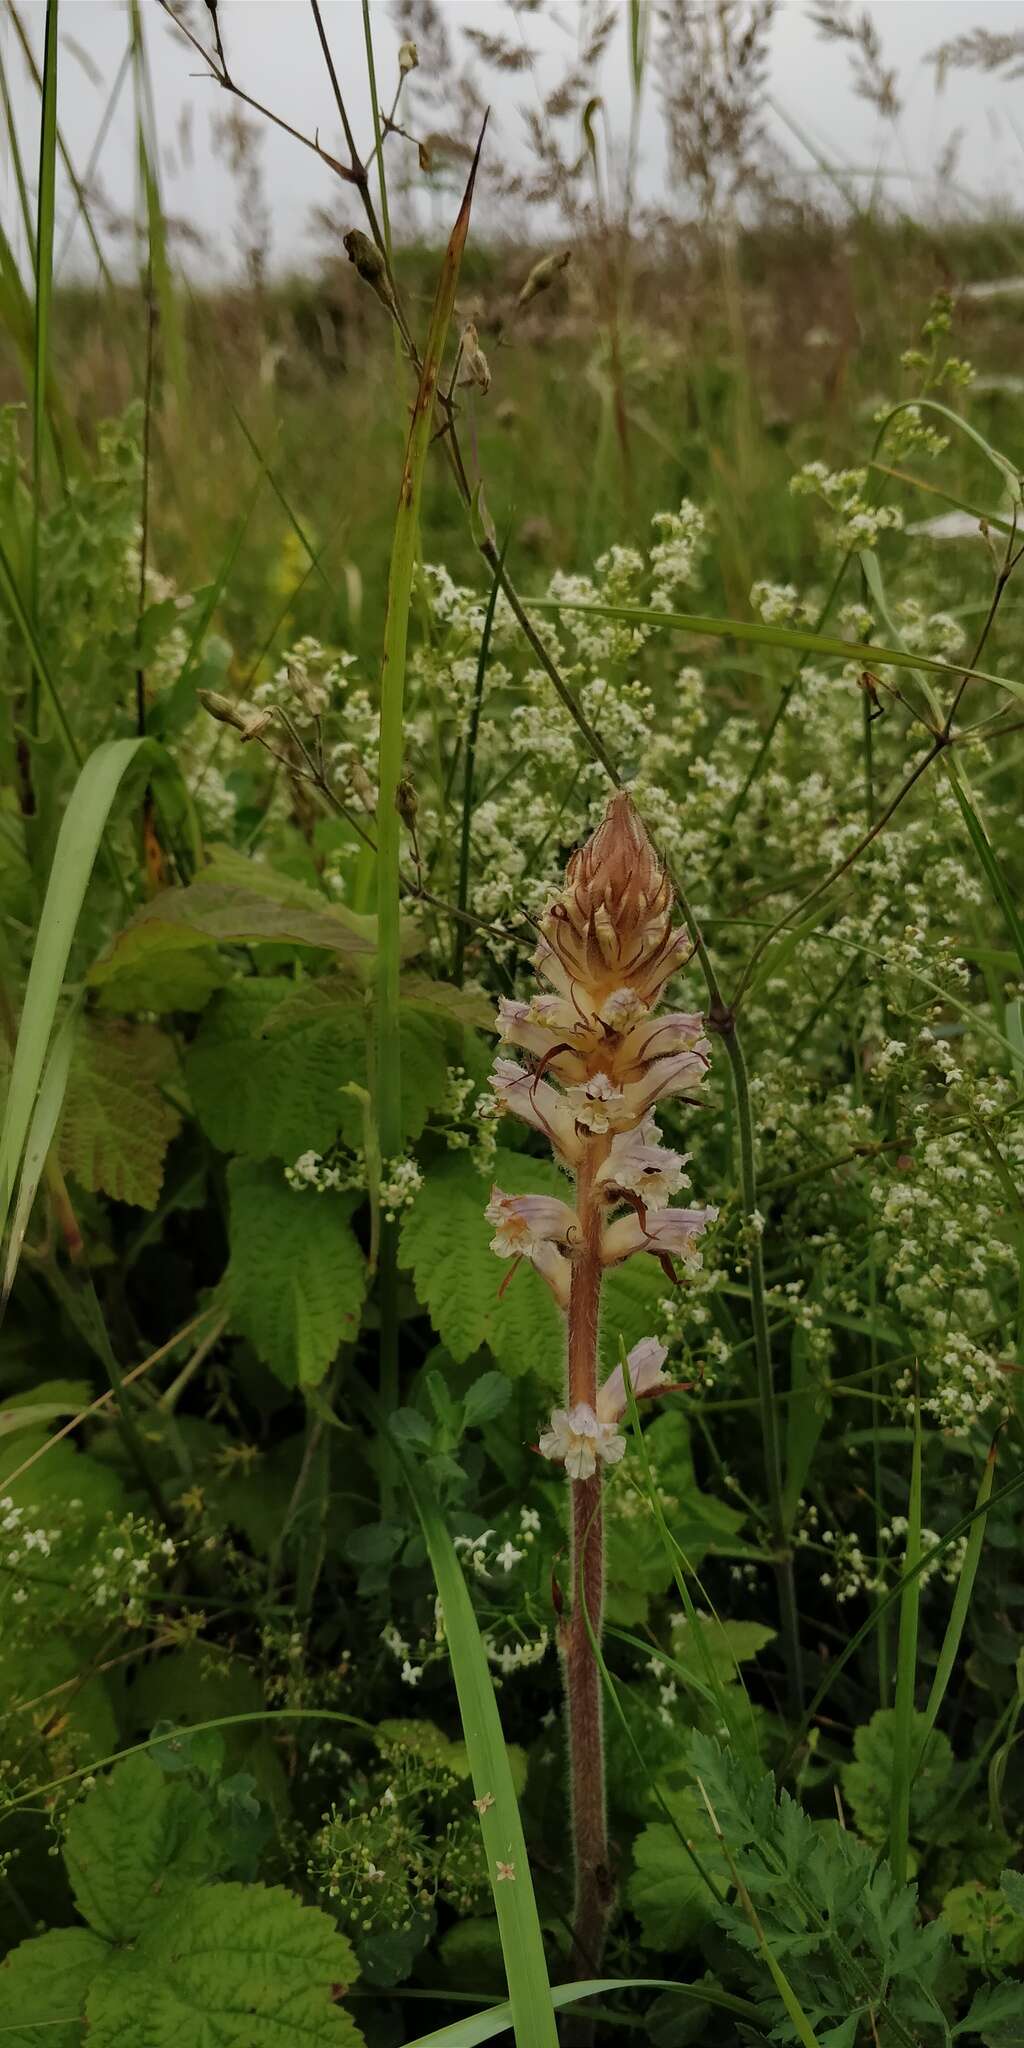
column 594, row 1893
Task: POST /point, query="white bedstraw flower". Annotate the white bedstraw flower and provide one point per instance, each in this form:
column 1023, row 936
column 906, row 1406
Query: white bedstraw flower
column 578, row 1438
column 644, row 1364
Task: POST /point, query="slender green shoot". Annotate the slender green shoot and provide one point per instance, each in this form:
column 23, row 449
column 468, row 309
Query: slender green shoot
column 906, row 1672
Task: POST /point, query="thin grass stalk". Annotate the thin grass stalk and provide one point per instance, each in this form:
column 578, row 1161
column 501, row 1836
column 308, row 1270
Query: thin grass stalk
column 906, row 1672
column 45, row 214
column 466, row 828
column 390, row 761
column 958, row 1615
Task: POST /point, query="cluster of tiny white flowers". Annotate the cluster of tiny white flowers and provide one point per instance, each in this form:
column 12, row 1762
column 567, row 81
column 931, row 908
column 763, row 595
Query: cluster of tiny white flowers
column 401, row 1181
column 327, row 1174
column 780, row 604
column 308, row 683
column 517, row 1653
column 26, row 1546
column 855, row 522
column 676, row 554
column 125, row 1570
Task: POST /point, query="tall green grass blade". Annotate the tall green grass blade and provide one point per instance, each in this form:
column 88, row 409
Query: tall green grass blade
column 906, row 1671
column 959, row 1612
column 923, row 483
column 755, row 631
column 45, row 1118
column 993, row 872
column 531, row 2009
column 472, row 729
column 46, row 208
column 82, row 829
column 1008, row 470
column 486, row 2026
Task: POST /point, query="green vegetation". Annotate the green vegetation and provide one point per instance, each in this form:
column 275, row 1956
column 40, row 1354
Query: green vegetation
column 298, row 745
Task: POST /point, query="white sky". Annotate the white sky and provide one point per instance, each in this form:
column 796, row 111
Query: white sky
column 274, row 53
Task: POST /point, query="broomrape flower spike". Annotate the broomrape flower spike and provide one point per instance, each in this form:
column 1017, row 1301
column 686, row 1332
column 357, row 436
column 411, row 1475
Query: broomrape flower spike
column 596, row 1061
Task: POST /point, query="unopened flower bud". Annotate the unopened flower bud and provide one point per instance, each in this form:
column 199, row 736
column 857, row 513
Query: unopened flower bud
column 408, row 57
column 251, row 724
column 543, row 275
column 611, row 927
column 407, row 802
column 370, row 265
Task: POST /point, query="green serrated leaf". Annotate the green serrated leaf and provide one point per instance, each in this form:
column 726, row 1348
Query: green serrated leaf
column 446, row 1241
column 297, row 1275
column 271, row 1065
column 228, row 1966
column 117, row 1121
column 138, row 1841
column 666, row 1890
column 43, row 1988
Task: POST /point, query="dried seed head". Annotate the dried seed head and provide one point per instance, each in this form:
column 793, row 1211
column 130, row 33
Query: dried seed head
column 611, row 927
column 408, row 57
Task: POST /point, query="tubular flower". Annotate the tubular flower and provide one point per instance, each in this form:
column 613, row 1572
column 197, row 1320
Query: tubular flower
column 580, row 1440
column 644, row 1365
column 671, row 1230
column 533, row 1227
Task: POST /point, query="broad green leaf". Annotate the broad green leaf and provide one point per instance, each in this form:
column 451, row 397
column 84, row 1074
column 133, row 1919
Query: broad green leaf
column 138, row 1840
column 297, row 1275
column 868, row 1781
column 271, row 1063
column 157, row 966
column 446, row 1241
column 43, row 1988
column 232, row 914
column 117, row 1121
column 666, row 1890
column 727, row 1643
column 228, row 1966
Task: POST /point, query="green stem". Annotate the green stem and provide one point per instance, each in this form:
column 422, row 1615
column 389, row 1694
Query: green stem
column 462, row 896
column 392, row 739
column 906, row 1673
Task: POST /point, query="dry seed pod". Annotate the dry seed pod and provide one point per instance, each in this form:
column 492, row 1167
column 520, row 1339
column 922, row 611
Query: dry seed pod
column 408, row 57
column 370, row 265
column 474, row 366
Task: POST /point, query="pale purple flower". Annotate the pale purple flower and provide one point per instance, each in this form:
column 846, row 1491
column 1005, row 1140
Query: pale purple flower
column 671, row 1231
column 679, row 1075
column 639, row 1164
column 578, row 1439
column 644, row 1363
column 538, row 1104
column 524, row 1221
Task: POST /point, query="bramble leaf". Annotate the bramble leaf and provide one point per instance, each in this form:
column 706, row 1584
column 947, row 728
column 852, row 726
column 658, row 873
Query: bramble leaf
column 446, row 1241
column 43, row 1988
column 297, row 1275
column 117, row 1121
column 228, row 1966
column 138, row 1840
